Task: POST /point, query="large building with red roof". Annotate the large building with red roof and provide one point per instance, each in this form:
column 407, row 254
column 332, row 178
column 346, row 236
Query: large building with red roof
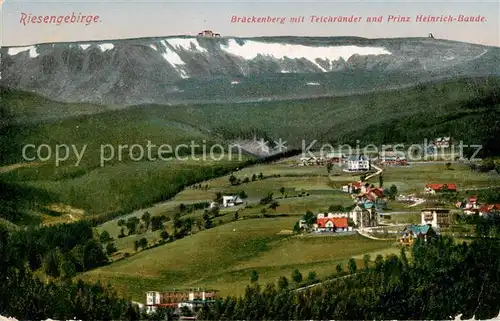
column 334, row 222
column 439, row 188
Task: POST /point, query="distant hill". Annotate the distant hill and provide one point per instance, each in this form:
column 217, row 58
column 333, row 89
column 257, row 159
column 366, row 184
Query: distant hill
column 181, row 69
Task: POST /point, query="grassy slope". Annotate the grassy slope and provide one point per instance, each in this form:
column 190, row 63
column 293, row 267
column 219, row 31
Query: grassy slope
column 223, row 257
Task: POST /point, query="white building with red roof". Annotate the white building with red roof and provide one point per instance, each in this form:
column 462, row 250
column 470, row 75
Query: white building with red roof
column 334, row 222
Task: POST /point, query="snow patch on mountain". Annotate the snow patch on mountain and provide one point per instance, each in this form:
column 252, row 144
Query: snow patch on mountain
column 17, row 50
column 251, row 49
column 106, row 46
column 186, row 44
column 84, row 47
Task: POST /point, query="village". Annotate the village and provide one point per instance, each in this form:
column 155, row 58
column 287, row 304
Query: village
column 382, row 197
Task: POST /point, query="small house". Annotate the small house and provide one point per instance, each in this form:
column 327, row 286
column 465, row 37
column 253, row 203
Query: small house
column 413, row 232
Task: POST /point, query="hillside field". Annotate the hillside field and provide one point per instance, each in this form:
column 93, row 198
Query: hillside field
column 223, row 258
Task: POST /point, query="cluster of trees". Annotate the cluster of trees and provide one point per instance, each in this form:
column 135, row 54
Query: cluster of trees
column 233, row 180
column 442, row 279
column 24, row 296
column 199, row 186
column 268, row 201
column 136, row 225
column 61, row 250
column 486, row 165
column 189, row 208
column 297, row 278
column 391, row 192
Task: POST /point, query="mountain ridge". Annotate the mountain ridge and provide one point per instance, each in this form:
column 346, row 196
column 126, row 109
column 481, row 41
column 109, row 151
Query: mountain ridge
column 174, row 70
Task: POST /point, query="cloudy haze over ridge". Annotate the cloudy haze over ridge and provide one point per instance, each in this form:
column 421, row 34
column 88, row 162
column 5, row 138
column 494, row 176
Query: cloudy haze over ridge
column 129, row 19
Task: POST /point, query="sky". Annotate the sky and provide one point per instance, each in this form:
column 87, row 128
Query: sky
column 130, row 19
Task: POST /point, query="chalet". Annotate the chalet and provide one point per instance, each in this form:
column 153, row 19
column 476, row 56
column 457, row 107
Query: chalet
column 358, row 163
column 354, row 187
column 436, row 217
column 489, row 209
column 439, row 188
column 413, row 232
column 442, row 142
column 229, row 201
column 393, row 158
column 332, row 223
column 191, row 298
column 469, row 206
column 372, row 194
column 208, row 34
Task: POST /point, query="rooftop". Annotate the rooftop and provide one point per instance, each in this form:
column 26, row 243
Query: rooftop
column 185, row 290
column 357, row 158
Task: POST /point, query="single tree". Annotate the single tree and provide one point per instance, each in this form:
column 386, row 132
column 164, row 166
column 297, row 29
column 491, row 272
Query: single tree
column 146, row 218
column 52, row 263
column 217, row 198
column 352, row 266
column 111, row 248
column 312, row 277
column 282, row 283
column 232, row 179
column 236, row 216
column 380, row 181
column 297, row 276
column 242, row 195
column 254, row 276
column 339, row 269
column 366, row 261
column 132, row 225
column 329, row 167
column 164, row 235
column 143, row 243
column 105, row 237
column 282, row 191
column 274, row 205
column 309, row 218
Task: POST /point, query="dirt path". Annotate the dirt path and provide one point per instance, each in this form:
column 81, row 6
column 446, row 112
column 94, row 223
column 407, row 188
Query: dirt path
column 12, row 167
